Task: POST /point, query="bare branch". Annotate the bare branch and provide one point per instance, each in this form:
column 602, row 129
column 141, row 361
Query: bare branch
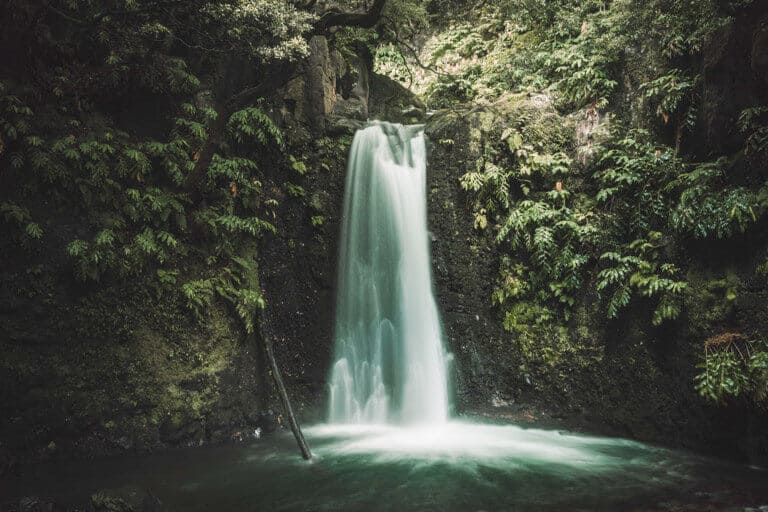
column 415, row 54
column 333, row 19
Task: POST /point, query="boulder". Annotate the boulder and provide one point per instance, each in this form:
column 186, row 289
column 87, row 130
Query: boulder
column 350, row 113
column 36, row 504
column 267, row 421
column 759, row 54
column 125, row 499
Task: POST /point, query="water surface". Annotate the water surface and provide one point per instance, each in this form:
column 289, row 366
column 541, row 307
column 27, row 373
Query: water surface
column 457, row 467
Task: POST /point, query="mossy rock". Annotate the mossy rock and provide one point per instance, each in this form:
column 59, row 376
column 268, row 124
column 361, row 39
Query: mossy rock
column 391, row 101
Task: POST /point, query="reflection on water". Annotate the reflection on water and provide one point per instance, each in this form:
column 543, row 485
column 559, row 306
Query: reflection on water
column 459, row 466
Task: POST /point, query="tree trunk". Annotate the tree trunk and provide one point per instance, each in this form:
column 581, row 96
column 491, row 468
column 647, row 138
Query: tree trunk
column 295, row 428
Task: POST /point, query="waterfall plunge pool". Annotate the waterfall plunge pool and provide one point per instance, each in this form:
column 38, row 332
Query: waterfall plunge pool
column 391, row 367
column 456, row 466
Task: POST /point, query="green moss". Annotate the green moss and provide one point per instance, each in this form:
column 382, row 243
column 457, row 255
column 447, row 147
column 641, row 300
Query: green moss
column 130, row 360
column 710, row 300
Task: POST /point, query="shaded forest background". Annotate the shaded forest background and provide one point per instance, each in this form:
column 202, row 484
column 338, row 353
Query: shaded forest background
column 171, row 176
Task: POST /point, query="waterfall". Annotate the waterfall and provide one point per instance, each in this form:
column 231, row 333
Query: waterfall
column 390, row 364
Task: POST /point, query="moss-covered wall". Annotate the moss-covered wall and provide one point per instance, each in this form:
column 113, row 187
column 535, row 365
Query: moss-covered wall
column 124, row 366
column 622, row 377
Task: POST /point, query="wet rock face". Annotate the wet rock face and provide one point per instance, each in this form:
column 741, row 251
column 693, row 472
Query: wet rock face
column 350, row 110
column 320, row 82
column 621, row 377
column 466, row 260
column 125, row 499
column 734, row 77
column 759, row 56
column 267, row 421
column 465, row 266
column 390, row 101
column 95, row 371
column 298, row 274
column 333, row 91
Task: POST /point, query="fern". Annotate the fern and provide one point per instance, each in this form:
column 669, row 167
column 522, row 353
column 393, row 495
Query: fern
column 554, row 240
column 472, row 181
column 237, row 285
column 753, row 123
column 252, row 225
column 295, row 190
column 641, row 273
column 194, row 129
column 733, row 368
column 199, row 294
column 674, row 97
column 144, row 209
column 251, row 124
column 707, row 207
column 247, row 305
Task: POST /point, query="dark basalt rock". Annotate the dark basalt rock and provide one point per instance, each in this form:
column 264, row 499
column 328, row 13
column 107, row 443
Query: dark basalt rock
column 390, row 101
column 267, row 421
column 125, row 499
column 182, row 428
column 350, row 111
column 734, row 73
column 759, row 54
column 36, row 504
column 465, row 265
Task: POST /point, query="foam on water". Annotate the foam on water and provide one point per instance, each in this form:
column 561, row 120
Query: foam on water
column 485, row 444
column 388, row 388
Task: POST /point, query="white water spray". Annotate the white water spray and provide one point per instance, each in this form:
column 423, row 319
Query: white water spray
column 388, row 388
column 390, row 363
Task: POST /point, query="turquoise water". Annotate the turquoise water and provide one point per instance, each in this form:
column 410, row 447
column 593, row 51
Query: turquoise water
column 462, row 467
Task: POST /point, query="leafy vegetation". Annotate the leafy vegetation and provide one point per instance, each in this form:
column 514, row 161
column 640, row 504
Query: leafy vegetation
column 131, row 127
column 733, row 367
column 577, row 49
column 615, row 218
column 138, row 140
column 144, row 155
column 637, row 270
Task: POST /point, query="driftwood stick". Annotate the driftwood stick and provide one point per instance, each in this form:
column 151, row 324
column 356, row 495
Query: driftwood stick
column 276, row 375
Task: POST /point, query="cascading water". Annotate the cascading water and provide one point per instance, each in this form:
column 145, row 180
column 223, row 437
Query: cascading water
column 389, row 404
column 391, row 367
column 390, row 363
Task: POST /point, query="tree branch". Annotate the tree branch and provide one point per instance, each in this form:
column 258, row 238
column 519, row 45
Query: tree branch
column 350, row 19
column 64, row 15
column 277, row 78
column 396, row 36
column 306, row 453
